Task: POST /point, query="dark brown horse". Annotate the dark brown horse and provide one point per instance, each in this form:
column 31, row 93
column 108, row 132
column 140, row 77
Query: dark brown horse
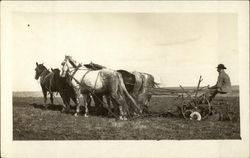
column 64, row 87
column 53, row 82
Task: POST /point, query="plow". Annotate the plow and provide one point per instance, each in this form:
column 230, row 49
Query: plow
column 195, row 104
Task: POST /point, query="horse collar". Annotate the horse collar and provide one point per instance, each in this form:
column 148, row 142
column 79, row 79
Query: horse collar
column 76, row 69
column 43, row 72
column 86, row 74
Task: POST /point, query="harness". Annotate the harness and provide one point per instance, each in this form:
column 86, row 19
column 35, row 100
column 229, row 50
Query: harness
column 43, row 72
column 76, row 68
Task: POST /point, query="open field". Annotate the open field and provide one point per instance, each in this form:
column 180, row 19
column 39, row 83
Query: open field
column 32, row 122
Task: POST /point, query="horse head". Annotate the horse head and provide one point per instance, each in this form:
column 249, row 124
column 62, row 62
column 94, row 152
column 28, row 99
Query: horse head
column 39, row 69
column 67, row 64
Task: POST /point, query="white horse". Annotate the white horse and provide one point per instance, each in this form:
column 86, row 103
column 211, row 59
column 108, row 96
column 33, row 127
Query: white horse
column 106, row 81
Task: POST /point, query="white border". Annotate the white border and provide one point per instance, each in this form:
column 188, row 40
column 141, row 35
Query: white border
column 169, row 148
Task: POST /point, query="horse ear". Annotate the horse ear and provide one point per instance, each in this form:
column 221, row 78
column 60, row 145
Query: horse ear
column 36, row 64
column 52, row 69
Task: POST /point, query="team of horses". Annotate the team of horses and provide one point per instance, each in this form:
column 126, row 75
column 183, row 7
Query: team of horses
column 126, row 93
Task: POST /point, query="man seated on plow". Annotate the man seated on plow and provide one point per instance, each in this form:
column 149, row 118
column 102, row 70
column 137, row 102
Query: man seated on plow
column 222, row 86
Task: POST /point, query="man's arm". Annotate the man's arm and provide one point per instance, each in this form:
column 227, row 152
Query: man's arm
column 215, row 86
column 218, row 84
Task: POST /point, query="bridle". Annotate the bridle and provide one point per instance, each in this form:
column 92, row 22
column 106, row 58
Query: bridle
column 71, row 70
column 41, row 72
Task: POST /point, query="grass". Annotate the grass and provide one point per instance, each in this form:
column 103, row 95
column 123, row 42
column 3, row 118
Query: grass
column 31, row 122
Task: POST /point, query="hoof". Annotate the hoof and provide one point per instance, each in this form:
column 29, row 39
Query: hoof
column 86, row 115
column 120, row 118
column 45, row 107
column 63, row 110
column 76, row 115
column 135, row 114
column 123, row 118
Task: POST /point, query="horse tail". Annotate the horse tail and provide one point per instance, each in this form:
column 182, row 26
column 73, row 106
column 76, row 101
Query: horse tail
column 156, row 85
column 126, row 92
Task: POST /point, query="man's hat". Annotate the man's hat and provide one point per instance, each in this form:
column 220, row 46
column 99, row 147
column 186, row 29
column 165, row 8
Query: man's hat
column 221, row 66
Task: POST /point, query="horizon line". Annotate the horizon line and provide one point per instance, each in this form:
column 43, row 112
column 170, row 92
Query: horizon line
column 159, row 87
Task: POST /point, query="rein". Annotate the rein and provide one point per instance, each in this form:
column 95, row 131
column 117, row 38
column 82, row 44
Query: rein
column 43, row 72
column 74, row 72
column 78, row 82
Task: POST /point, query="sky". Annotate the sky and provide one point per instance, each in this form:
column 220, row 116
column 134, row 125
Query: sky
column 176, row 48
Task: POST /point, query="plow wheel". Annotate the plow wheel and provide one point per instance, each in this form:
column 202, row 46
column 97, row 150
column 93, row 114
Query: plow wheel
column 190, row 114
column 196, row 111
column 186, row 111
column 195, row 116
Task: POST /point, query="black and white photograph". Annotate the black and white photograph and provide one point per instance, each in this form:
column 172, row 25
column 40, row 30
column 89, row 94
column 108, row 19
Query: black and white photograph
column 124, row 79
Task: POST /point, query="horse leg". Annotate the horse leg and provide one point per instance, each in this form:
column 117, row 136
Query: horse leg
column 98, row 98
column 115, row 111
column 146, row 110
column 86, row 98
column 119, row 100
column 97, row 103
column 66, row 101
column 110, row 109
column 51, row 98
column 89, row 99
column 73, row 97
column 63, row 98
column 78, row 93
column 45, row 98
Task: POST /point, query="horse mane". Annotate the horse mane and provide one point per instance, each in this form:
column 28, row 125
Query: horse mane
column 55, row 70
column 94, row 66
column 44, row 67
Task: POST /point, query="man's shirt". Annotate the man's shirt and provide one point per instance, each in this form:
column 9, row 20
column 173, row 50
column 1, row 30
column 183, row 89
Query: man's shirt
column 223, row 83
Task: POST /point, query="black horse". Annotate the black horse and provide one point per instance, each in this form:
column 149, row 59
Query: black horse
column 53, row 82
column 64, row 87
